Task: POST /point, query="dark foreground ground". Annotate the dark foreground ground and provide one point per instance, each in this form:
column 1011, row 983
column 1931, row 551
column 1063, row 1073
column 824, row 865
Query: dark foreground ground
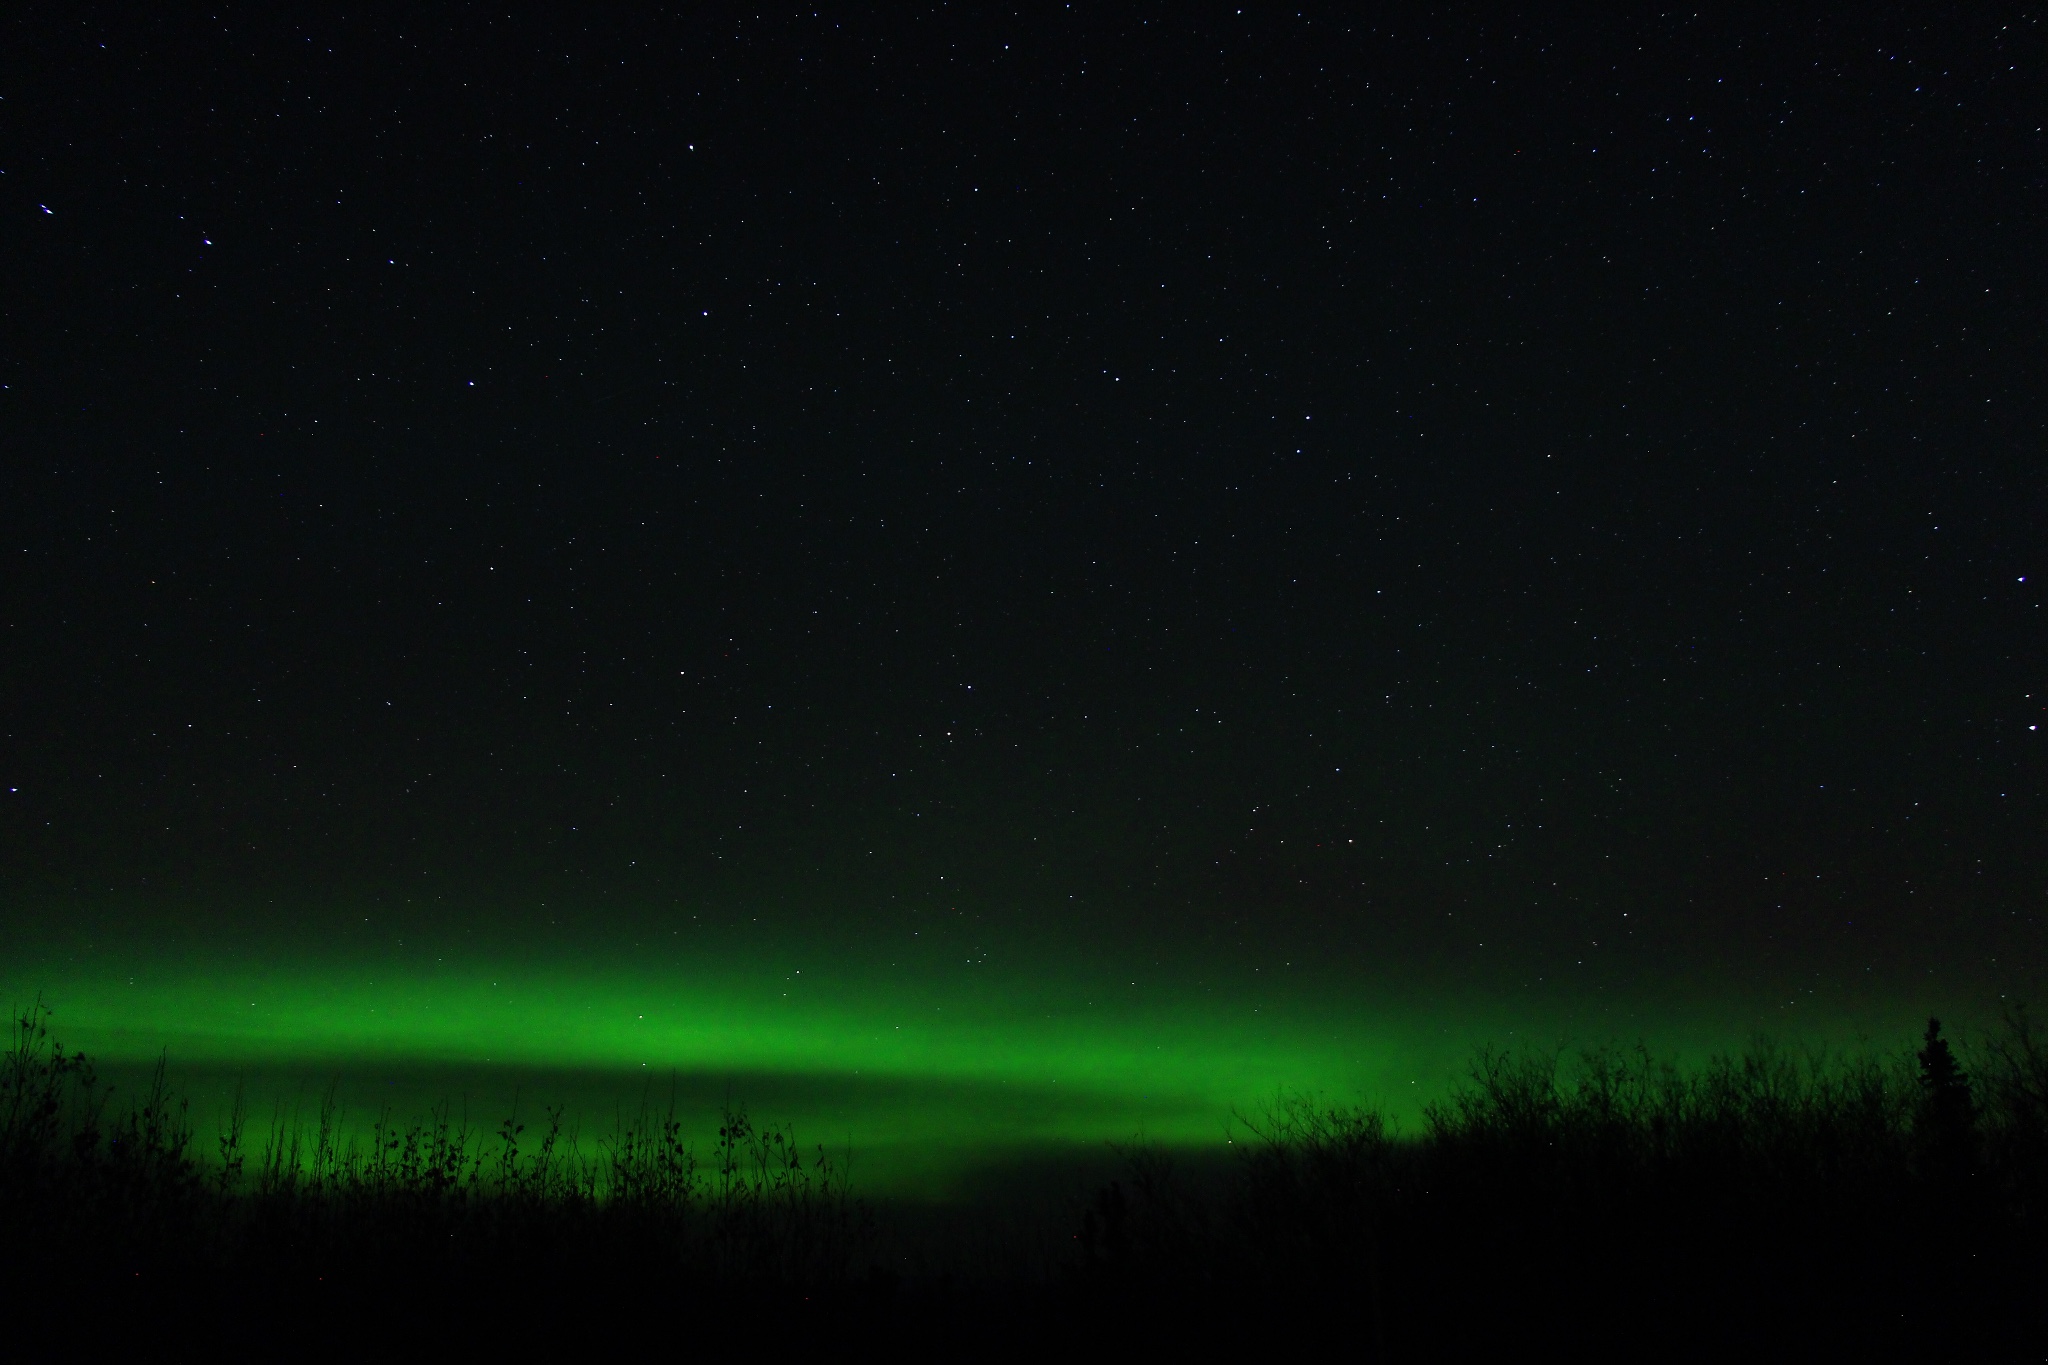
column 1766, row 1206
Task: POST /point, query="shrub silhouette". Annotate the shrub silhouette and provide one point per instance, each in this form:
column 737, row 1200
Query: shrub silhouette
column 1771, row 1201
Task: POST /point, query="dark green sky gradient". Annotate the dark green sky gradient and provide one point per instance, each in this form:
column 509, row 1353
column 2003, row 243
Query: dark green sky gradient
column 1179, row 554
column 927, row 1063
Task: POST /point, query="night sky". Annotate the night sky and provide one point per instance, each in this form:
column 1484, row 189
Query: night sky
column 1167, row 552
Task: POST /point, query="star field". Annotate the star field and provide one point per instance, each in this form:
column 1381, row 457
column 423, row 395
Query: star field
column 1258, row 508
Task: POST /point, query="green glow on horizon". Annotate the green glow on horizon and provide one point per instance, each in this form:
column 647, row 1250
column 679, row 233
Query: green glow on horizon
column 1183, row 1061
column 908, row 1074
column 923, row 1073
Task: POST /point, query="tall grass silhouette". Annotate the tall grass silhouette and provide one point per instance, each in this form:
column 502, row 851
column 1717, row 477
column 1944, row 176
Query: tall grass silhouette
column 429, row 1219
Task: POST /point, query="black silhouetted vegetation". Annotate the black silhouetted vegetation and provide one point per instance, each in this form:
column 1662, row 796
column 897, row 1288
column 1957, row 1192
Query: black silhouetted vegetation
column 1607, row 1204
column 427, row 1226
column 1611, row 1204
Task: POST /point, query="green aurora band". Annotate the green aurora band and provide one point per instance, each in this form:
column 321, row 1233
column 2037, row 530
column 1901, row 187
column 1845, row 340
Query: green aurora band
column 927, row 1076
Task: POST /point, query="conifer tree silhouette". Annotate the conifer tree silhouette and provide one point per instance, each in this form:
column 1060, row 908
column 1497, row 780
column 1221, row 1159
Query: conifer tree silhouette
column 1948, row 1112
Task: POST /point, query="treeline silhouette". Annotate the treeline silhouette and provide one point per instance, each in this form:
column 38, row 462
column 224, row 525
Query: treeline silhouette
column 1607, row 1203
column 1615, row 1205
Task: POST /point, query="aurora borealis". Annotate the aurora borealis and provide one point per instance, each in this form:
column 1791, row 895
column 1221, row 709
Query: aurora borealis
column 929, row 1071
column 994, row 584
